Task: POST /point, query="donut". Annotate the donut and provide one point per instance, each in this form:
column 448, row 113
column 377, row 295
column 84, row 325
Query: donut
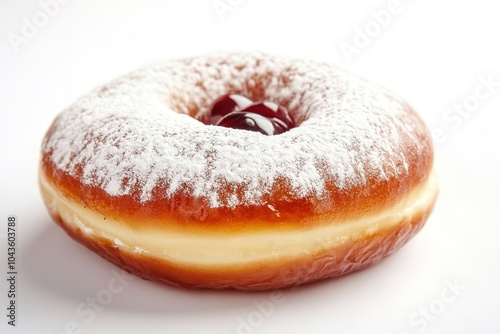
column 131, row 172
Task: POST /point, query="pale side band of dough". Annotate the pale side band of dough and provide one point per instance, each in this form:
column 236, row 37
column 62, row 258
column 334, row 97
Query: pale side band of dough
column 222, row 249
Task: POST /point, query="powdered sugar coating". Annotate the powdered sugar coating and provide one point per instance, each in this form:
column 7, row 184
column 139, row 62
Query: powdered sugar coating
column 138, row 133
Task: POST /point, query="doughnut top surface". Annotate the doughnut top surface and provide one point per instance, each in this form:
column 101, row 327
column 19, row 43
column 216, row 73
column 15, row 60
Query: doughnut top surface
column 136, row 136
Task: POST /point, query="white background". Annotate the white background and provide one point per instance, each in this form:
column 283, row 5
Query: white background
column 433, row 53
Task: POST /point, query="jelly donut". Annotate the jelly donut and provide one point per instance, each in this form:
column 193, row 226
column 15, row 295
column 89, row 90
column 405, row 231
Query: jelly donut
column 132, row 172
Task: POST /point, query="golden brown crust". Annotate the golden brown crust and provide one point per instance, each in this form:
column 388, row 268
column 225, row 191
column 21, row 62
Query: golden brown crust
column 364, row 247
column 182, row 208
column 409, row 161
column 350, row 199
column 349, row 257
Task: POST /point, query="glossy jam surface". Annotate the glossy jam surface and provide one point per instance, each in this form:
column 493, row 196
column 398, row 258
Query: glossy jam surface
column 272, row 111
column 249, row 121
column 238, row 112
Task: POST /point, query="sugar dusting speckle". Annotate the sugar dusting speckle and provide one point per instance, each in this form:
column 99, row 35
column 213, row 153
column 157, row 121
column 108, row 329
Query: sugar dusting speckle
column 139, row 250
column 135, row 132
column 84, row 228
column 118, row 242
